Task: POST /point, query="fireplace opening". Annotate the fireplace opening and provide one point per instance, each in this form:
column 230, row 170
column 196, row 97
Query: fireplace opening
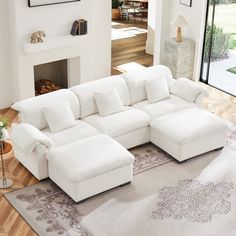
column 50, row 77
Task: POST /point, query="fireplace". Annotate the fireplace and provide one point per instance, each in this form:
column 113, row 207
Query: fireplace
column 49, row 77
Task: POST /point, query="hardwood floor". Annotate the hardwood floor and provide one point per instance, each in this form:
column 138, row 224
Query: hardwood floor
column 130, row 49
column 123, row 51
column 220, row 103
column 11, row 223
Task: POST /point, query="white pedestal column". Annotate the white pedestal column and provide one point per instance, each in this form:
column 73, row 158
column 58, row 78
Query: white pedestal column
column 179, row 57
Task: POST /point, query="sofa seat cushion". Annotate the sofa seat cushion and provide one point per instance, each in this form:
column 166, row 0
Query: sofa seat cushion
column 80, row 131
column 114, row 125
column 189, row 125
column 89, row 158
column 163, row 107
column 188, row 133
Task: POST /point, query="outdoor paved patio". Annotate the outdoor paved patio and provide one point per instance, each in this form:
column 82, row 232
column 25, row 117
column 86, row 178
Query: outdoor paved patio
column 219, row 77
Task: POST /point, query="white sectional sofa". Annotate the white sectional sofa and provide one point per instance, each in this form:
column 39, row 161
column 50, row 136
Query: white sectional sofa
column 35, row 144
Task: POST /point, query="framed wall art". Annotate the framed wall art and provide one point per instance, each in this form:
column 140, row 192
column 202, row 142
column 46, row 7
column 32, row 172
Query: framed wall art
column 186, row 2
column 39, row 3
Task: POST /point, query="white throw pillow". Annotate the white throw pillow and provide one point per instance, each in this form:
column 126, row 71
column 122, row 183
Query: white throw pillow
column 186, row 89
column 157, row 89
column 59, row 116
column 108, row 102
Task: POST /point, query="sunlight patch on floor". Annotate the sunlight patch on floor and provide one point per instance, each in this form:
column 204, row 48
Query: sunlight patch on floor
column 113, row 23
column 127, row 32
column 128, row 67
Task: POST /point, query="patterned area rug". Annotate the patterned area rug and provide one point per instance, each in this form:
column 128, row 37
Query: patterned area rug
column 55, row 212
column 194, row 201
column 198, row 199
column 149, row 156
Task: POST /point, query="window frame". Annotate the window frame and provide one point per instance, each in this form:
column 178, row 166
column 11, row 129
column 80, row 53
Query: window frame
column 206, row 81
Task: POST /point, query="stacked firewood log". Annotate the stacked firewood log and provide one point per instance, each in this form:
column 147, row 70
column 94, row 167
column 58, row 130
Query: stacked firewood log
column 45, row 86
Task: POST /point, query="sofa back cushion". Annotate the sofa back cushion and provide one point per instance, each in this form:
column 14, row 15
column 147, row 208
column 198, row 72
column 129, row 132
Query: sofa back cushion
column 85, row 93
column 31, row 109
column 136, row 81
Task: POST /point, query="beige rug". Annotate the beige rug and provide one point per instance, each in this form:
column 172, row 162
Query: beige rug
column 197, row 197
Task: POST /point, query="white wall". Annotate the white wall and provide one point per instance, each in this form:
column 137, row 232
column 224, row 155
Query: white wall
column 150, row 42
column 162, row 28
column 100, row 48
column 195, row 16
column 5, row 76
column 55, row 20
column 92, row 55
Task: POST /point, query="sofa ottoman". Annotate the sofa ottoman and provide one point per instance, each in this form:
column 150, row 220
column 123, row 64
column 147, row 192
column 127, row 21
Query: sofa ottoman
column 188, row 133
column 91, row 166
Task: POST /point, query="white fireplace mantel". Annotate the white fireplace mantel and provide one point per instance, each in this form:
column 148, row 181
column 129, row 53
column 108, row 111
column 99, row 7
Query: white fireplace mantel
column 54, row 43
column 74, row 51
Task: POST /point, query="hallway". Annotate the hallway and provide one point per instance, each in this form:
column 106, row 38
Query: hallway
column 130, row 47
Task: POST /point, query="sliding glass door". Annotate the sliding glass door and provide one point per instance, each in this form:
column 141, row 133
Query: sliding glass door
column 219, row 52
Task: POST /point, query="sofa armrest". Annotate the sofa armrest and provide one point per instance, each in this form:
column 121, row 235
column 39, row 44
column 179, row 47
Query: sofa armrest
column 27, row 138
column 188, row 90
column 199, row 100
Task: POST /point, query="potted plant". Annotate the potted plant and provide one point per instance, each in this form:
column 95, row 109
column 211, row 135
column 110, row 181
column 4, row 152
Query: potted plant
column 115, row 9
column 3, row 129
